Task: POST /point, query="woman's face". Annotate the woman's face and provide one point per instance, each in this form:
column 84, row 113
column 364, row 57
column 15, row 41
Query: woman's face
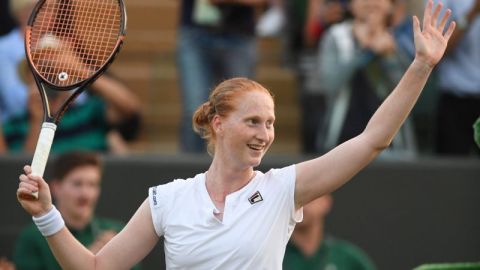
column 245, row 135
column 363, row 9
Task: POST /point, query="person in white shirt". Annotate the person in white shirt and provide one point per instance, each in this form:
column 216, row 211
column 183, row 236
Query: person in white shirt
column 233, row 217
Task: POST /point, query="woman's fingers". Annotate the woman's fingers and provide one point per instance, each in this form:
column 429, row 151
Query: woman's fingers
column 450, row 30
column 443, row 22
column 27, row 169
column 427, row 15
column 28, row 186
column 416, row 25
column 436, row 13
column 30, row 178
column 25, row 179
column 25, row 191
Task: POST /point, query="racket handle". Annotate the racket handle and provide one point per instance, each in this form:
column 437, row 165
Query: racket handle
column 42, row 150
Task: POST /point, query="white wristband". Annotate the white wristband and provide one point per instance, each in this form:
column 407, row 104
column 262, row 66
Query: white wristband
column 50, row 223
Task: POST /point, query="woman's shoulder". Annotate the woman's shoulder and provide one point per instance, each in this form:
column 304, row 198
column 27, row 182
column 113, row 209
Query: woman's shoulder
column 280, row 172
column 177, row 186
column 284, row 175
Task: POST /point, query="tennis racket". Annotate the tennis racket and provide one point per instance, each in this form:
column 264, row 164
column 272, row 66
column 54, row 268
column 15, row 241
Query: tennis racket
column 69, row 44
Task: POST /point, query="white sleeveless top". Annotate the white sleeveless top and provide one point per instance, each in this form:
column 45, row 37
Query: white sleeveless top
column 257, row 222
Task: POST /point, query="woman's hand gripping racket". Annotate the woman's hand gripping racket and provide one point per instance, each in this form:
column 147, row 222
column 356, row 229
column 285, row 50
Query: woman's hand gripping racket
column 69, row 43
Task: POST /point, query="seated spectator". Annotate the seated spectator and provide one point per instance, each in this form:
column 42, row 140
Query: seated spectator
column 76, row 189
column 310, row 248
column 99, row 122
column 359, row 63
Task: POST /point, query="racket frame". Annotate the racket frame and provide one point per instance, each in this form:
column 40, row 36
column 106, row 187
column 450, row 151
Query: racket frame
column 50, row 121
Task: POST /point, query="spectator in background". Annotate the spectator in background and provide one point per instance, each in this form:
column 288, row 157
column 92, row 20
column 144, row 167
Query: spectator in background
column 310, row 248
column 272, row 22
column 76, row 188
column 360, row 62
column 102, row 120
column 6, row 21
column 109, row 114
column 459, row 81
column 216, row 41
column 321, row 14
column 13, row 92
column 308, row 20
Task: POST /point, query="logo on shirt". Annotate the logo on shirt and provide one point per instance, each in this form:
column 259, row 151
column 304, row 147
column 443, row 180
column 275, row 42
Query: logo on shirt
column 154, row 196
column 255, row 198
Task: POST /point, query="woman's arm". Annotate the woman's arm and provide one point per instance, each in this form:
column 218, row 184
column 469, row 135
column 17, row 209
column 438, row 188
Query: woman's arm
column 330, row 171
column 125, row 250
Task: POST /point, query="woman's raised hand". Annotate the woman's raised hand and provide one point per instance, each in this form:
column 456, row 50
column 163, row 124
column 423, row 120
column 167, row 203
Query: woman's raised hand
column 431, row 39
column 29, row 184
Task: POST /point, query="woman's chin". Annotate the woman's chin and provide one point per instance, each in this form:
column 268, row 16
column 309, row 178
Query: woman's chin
column 256, row 160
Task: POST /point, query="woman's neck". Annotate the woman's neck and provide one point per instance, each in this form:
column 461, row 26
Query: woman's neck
column 223, row 180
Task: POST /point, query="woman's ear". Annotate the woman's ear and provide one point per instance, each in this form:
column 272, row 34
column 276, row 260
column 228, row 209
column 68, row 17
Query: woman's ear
column 217, row 124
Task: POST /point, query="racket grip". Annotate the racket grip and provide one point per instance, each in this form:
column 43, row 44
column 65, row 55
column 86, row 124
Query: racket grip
column 42, row 150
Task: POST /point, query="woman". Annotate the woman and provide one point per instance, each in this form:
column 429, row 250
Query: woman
column 205, row 220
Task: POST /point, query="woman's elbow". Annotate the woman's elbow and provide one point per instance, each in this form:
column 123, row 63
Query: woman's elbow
column 375, row 143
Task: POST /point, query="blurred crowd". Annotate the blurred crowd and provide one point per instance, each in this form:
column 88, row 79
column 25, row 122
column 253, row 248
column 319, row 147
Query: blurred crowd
column 346, row 56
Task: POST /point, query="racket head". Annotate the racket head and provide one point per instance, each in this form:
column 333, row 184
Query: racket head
column 69, row 43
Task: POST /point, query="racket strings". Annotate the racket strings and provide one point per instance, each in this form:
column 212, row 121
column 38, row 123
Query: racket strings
column 72, row 39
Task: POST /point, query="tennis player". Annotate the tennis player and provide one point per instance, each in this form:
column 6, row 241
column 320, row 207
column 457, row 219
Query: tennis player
column 233, row 217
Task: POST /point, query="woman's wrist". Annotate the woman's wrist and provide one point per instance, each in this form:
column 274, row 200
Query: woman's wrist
column 49, row 223
column 422, row 66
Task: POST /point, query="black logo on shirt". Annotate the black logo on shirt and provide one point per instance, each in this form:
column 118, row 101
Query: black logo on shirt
column 255, row 198
column 154, row 196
